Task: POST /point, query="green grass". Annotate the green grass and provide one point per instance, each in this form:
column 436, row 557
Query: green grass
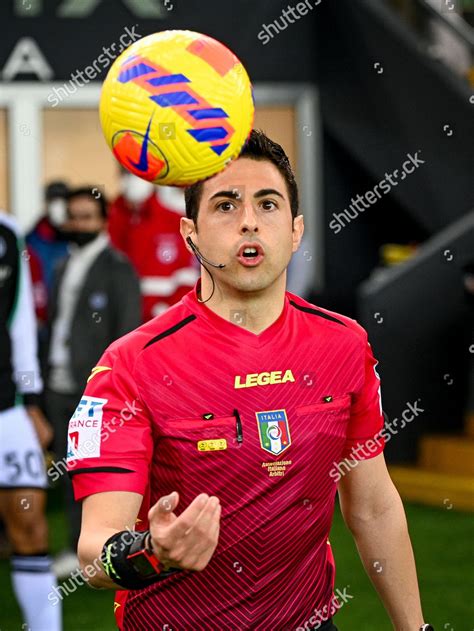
column 443, row 544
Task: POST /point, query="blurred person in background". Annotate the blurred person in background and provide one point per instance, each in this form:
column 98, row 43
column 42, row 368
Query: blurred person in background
column 46, row 248
column 45, row 240
column 24, row 433
column 144, row 225
column 95, row 299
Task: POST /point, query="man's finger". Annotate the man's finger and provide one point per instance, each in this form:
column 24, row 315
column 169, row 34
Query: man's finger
column 205, row 538
column 164, row 508
column 198, row 537
column 183, row 524
column 207, row 518
column 214, row 526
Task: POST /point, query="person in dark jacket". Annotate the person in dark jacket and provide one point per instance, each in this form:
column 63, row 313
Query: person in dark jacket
column 95, row 300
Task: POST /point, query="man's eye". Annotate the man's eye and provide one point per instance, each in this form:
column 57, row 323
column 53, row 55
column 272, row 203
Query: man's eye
column 225, row 206
column 268, row 205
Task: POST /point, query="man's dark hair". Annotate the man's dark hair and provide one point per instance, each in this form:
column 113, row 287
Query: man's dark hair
column 257, row 147
column 95, row 193
column 57, row 188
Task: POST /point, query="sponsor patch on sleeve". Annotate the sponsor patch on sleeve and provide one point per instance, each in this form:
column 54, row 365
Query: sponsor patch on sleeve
column 85, row 428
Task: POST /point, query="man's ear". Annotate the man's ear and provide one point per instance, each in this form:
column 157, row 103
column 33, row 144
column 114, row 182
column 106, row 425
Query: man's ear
column 298, row 231
column 187, row 229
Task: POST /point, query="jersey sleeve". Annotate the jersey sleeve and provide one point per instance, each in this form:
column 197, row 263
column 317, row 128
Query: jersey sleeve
column 364, row 439
column 110, row 442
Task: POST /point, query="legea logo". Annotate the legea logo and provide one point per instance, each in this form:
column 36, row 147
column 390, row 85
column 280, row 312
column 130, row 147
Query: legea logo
column 263, row 379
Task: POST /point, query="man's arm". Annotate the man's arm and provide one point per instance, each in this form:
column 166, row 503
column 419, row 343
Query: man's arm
column 103, row 515
column 373, row 512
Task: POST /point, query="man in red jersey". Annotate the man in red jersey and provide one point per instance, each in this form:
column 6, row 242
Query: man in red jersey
column 204, row 435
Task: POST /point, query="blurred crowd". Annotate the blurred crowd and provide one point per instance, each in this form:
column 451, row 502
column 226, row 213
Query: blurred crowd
column 142, row 223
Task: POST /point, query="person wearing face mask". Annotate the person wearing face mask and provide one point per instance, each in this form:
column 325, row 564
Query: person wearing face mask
column 144, row 225
column 95, row 300
column 45, row 243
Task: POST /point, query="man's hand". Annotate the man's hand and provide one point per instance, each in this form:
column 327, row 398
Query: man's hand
column 187, row 541
column 43, row 429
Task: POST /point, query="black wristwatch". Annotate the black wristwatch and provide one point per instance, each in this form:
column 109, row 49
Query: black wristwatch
column 426, row 627
column 144, row 562
column 141, row 557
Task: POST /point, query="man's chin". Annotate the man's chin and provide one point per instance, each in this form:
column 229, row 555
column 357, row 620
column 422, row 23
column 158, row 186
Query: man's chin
column 256, row 282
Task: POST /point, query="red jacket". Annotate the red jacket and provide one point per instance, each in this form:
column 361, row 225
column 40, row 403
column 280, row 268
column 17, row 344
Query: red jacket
column 150, row 238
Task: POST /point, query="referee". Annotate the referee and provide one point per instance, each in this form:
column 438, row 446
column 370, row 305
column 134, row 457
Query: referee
column 207, row 444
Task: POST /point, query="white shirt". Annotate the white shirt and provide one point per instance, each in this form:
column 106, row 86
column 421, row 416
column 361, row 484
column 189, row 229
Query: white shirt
column 77, row 267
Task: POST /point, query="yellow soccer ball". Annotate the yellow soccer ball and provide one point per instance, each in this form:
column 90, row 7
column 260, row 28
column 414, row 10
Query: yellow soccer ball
column 176, row 107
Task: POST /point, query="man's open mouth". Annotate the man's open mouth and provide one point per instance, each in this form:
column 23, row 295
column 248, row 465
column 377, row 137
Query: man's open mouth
column 250, row 254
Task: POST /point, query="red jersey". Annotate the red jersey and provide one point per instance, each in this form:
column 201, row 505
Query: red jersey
column 150, row 238
column 192, row 402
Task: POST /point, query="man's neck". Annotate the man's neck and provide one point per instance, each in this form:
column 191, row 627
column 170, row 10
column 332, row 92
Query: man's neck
column 254, row 311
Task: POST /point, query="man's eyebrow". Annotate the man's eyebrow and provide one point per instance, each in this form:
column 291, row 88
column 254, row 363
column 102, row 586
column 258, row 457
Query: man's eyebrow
column 235, row 194
column 268, row 191
column 232, row 193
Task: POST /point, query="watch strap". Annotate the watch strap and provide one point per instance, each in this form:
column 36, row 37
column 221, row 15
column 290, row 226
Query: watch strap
column 126, row 572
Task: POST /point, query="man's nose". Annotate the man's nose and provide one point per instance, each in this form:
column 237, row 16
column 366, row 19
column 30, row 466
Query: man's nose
column 249, row 217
